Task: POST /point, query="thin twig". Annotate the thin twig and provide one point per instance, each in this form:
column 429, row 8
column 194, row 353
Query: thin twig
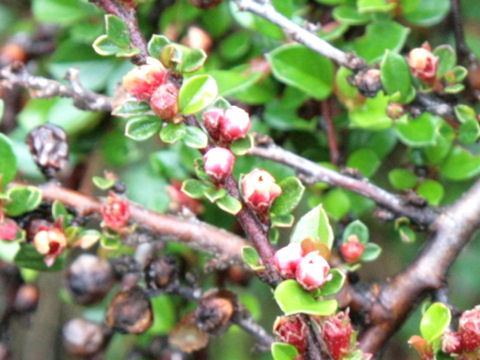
column 463, row 51
column 331, row 135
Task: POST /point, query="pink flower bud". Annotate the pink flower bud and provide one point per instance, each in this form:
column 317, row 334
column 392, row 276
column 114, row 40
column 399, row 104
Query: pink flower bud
column 142, row 81
column 197, row 38
column 352, row 250
column 451, row 342
column 312, row 271
column 218, row 163
column 423, row 64
column 259, row 190
column 51, row 242
column 287, row 258
column 211, row 119
column 8, row 230
column 115, row 213
column 235, row 124
column 291, row 330
column 336, row 332
column 164, row 101
column 469, row 329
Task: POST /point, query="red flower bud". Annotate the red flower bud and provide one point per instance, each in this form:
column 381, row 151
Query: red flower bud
column 451, row 342
column 259, row 190
column 336, row 332
column 8, row 229
column 51, row 242
column 164, row 101
column 143, row 80
column 211, row 119
column 469, row 329
column 352, row 250
column 423, row 64
column 218, row 163
column 291, row 330
column 115, row 212
column 287, row 258
column 235, row 124
column 312, row 271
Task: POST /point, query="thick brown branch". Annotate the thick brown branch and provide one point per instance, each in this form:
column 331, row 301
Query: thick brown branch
column 226, row 246
column 317, row 173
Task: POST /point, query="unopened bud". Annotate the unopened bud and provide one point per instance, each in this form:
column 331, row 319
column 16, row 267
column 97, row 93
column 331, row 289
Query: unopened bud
column 8, row 229
column 197, row 38
column 451, row 342
column 423, row 64
column 116, row 212
column 218, row 163
column 287, row 259
column 352, row 250
column 235, row 124
column 312, row 271
column 469, row 329
column 337, row 332
column 83, row 338
column 164, row 101
column 161, row 272
column 259, row 189
column 143, row 80
column 211, row 119
column 292, row 330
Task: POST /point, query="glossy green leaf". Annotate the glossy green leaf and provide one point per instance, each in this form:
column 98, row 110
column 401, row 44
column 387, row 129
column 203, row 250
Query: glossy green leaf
column 23, row 199
column 348, row 14
column 365, row 6
column 213, row 194
column 29, row 258
column 365, row 160
column 103, row 183
column 59, row 210
column 171, row 133
column 447, row 59
column 251, row 258
column 282, row 221
column 164, row 315
column 465, row 113
column 282, row 351
column 406, row 234
column 195, row 137
column 229, row 204
column 242, row 146
column 313, row 225
column 292, row 192
column 8, row 164
column 194, row 188
column 197, row 93
column 298, row 66
column 359, row 229
column 236, row 45
column 372, row 252
column 419, row 132
column 117, row 31
column 372, row 114
column 435, row 321
column 143, row 127
column 469, row 132
column 292, row 299
column 156, row 45
column 396, row 75
column 336, row 203
column 425, row 12
column 131, row 108
column 334, row 285
column 402, row 179
column 431, row 190
column 460, row 164
column 63, row 12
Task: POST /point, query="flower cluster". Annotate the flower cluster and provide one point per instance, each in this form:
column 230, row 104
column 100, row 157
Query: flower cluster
column 150, row 83
column 310, row 269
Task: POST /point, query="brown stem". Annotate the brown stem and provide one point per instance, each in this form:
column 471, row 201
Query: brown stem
column 462, row 48
column 331, row 135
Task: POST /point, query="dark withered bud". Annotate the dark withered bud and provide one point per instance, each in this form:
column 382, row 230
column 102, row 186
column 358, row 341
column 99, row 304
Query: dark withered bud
column 83, row 338
column 205, row 4
column 124, row 265
column 367, row 81
column 26, row 299
column 48, row 145
column 130, row 312
column 89, row 279
column 161, row 272
column 215, row 311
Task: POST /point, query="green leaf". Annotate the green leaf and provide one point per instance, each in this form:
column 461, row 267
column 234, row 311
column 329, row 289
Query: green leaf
column 406, row 234
column 435, row 322
column 469, row 132
column 156, row 45
column 348, row 14
column 63, row 12
column 359, row 229
column 104, row 46
column 231, row 82
column 236, row 45
column 402, row 179
column 292, row 299
column 365, row 6
column 110, row 242
column 59, row 210
column 182, row 58
column 8, row 164
column 194, row 188
column 242, row 146
column 2, row 107
column 251, row 258
column 292, row 192
column 460, row 165
column 432, row 191
column 396, row 75
column 282, row 351
column 365, row 160
column 372, row 252
column 334, row 285
column 336, row 203
column 164, row 315
column 298, row 66
column 283, row 221
column 171, row 133
column 372, row 47
column 425, row 12
column 419, row 132
column 229, row 204
column 314, row 225
column 372, row 114
column 195, row 137
column 465, row 113
column 197, row 93
column 29, row 258
column 102, row 183
column 447, row 59
column 117, row 31
column 214, row 195
column 142, row 128
column 131, row 108
column 23, row 199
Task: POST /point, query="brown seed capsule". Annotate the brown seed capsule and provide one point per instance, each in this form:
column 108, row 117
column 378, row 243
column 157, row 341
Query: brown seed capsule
column 83, row 338
column 89, row 279
column 214, row 311
column 205, row 4
column 48, row 144
column 161, row 272
column 26, row 299
column 130, row 312
column 367, row 81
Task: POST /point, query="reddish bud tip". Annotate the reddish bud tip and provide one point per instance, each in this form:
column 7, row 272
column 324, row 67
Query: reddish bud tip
column 312, row 271
column 337, row 331
column 211, row 119
column 235, row 124
column 50, row 242
column 451, row 342
column 143, row 80
column 287, row 258
column 469, row 329
column 164, row 101
column 259, row 189
column 352, row 250
column 423, row 64
column 291, row 330
column 218, row 163
column 115, row 213
column 8, row 230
